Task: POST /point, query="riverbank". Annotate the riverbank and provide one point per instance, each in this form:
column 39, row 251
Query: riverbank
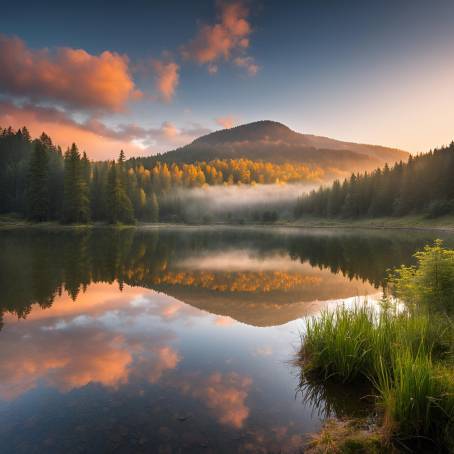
column 444, row 224
column 403, row 353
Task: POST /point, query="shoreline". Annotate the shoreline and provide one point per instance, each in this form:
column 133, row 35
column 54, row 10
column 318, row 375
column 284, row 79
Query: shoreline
column 415, row 223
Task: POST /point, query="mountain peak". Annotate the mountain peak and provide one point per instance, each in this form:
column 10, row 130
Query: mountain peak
column 275, row 142
column 255, row 131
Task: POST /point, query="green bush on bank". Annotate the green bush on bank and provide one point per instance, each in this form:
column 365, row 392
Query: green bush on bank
column 405, row 354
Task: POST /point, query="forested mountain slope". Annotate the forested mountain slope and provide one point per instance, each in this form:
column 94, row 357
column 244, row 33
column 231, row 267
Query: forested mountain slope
column 274, row 142
column 424, row 184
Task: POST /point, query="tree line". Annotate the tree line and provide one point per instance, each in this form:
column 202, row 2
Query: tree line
column 41, row 182
column 423, row 185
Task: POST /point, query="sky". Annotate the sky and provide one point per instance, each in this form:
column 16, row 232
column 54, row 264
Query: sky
column 150, row 76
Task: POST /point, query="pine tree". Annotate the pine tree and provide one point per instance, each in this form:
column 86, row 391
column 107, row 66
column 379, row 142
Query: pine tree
column 119, row 206
column 76, row 202
column 38, row 184
column 98, row 192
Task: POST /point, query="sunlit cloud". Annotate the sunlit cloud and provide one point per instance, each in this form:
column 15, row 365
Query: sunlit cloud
column 151, row 366
column 62, row 359
column 166, row 78
column 224, row 394
column 224, row 321
column 70, row 345
column 71, row 77
column 230, row 35
column 93, row 135
column 229, row 121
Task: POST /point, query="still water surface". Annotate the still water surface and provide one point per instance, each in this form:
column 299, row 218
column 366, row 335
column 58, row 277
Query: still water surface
column 172, row 340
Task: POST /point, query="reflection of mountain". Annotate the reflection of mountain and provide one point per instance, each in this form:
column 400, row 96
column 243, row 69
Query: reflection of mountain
column 258, row 276
column 262, row 298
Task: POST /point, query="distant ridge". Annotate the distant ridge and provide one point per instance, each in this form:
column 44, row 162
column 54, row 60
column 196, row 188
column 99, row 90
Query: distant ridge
column 274, row 142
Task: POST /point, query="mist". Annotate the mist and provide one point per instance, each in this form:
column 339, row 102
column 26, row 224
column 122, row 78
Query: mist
column 260, row 202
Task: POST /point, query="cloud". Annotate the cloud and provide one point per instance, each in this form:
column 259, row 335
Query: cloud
column 248, row 64
column 71, row 77
column 224, row 394
column 154, row 363
column 213, row 69
column 221, row 320
column 97, row 340
column 92, row 136
column 166, row 78
column 226, row 122
column 99, row 140
column 219, row 41
column 62, row 359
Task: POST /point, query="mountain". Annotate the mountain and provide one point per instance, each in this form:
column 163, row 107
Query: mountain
column 274, row 142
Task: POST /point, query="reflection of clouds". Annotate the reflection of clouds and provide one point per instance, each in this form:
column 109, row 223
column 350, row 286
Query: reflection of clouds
column 97, row 299
column 222, row 320
column 224, row 394
column 64, row 359
column 99, row 339
column 263, row 351
column 151, row 366
column 243, row 260
column 102, row 300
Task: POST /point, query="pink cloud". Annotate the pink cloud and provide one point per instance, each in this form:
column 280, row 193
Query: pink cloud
column 213, row 42
column 248, row 64
column 72, row 77
column 64, row 131
column 166, row 78
column 224, row 321
column 226, row 122
column 224, row 394
column 93, row 136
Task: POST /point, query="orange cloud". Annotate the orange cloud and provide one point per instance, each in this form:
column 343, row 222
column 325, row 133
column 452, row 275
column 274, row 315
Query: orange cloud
column 166, row 79
column 63, row 359
column 163, row 358
column 64, row 132
column 226, row 122
column 72, row 77
column 224, row 321
column 93, row 136
column 224, row 394
column 66, row 353
column 220, row 40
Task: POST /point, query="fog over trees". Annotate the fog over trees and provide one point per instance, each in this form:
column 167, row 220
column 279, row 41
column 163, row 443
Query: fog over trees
column 40, row 182
column 423, row 185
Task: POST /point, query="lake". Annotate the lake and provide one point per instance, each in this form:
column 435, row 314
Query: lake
column 175, row 339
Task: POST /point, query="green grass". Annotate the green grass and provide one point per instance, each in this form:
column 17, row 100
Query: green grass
column 400, row 354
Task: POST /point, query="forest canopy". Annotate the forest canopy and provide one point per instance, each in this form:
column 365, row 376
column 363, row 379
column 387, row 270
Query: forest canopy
column 41, row 182
column 423, row 185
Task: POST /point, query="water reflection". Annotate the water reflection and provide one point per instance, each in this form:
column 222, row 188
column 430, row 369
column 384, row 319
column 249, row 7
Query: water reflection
column 242, row 267
column 130, row 341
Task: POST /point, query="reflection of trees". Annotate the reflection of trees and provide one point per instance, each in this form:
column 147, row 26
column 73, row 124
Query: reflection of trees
column 330, row 399
column 245, row 281
column 35, row 266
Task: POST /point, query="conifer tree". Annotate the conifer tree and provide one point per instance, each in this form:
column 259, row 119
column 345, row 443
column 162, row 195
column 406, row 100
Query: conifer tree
column 76, row 203
column 38, row 184
column 119, row 206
